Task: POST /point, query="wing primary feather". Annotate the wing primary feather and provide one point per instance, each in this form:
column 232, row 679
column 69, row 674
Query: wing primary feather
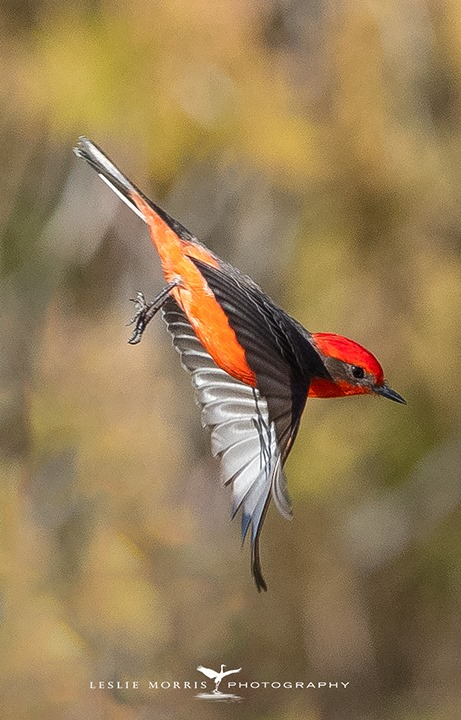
column 246, row 521
column 249, row 430
column 262, row 427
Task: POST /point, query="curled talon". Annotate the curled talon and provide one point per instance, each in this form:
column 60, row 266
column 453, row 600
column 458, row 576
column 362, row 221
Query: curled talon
column 145, row 311
column 140, row 320
column 140, row 307
column 136, row 337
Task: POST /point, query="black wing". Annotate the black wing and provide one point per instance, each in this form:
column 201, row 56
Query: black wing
column 253, row 429
column 277, row 348
column 242, row 435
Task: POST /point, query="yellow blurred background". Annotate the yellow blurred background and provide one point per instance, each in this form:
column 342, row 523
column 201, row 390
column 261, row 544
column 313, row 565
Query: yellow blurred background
column 317, row 146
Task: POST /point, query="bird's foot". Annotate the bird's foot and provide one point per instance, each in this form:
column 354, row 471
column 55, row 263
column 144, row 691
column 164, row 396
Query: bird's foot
column 140, row 319
column 145, row 311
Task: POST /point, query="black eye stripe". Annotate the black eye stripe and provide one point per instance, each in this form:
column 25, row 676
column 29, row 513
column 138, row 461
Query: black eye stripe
column 358, row 372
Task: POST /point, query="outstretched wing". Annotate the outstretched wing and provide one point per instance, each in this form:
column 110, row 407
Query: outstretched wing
column 206, row 671
column 277, row 348
column 243, row 434
column 231, row 672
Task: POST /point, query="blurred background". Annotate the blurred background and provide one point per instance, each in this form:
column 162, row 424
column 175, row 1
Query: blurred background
column 317, row 146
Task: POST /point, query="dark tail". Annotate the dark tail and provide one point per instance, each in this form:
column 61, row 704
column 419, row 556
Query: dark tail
column 123, row 187
column 256, row 570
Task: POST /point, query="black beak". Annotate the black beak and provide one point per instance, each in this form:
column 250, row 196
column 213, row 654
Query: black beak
column 387, row 392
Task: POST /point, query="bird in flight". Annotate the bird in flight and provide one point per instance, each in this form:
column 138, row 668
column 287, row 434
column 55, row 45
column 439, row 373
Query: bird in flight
column 217, row 676
column 252, row 365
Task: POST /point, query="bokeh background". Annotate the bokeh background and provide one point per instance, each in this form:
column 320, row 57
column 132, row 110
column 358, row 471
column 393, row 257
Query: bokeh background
column 316, row 145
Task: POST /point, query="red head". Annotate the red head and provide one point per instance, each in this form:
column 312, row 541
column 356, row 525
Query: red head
column 353, row 369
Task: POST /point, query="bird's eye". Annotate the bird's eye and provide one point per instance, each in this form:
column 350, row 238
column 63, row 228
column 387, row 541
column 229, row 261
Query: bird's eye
column 358, row 372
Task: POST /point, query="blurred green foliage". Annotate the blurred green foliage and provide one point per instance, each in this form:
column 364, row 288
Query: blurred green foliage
column 318, row 147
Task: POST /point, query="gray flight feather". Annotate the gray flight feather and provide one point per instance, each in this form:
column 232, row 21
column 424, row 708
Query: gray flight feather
column 242, row 435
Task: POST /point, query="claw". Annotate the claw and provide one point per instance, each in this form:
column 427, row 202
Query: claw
column 144, row 311
column 141, row 308
column 136, row 337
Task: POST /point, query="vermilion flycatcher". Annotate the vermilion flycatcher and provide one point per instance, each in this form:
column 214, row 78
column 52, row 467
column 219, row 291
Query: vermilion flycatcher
column 252, row 365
